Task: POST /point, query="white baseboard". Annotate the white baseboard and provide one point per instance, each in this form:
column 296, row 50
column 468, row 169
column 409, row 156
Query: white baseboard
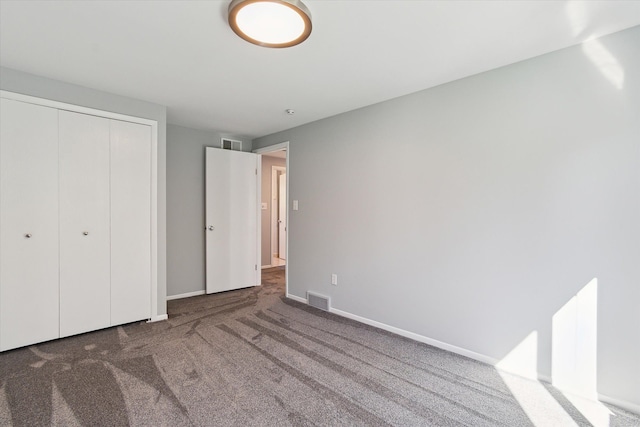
column 158, row 318
column 186, row 295
column 267, row 266
column 297, row 298
column 417, row 337
column 458, row 350
column 545, row 378
column 631, row 407
column 407, row 334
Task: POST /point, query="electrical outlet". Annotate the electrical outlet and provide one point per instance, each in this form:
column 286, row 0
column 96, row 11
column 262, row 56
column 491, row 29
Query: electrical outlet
column 334, row 279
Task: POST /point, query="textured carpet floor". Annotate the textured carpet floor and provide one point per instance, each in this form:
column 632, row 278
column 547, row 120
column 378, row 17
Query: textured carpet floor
column 253, row 358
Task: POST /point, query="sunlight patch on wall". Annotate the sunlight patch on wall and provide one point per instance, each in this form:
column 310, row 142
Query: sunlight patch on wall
column 523, row 359
column 606, row 63
column 578, row 16
column 574, row 351
column 574, row 344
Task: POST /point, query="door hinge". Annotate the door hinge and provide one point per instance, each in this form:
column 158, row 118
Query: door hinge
column 256, row 171
column 256, row 267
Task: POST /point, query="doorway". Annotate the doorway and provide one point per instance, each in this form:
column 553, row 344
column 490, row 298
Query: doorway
column 275, row 208
column 278, row 214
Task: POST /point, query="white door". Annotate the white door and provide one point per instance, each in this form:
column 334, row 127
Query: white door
column 28, row 224
column 84, row 223
column 130, row 222
column 282, row 216
column 232, row 212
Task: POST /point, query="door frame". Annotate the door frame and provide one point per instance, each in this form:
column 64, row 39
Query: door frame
column 154, row 297
column 275, row 210
column 278, row 147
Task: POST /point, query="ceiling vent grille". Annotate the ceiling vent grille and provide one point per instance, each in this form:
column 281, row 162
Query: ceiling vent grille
column 318, row 301
column 230, row 144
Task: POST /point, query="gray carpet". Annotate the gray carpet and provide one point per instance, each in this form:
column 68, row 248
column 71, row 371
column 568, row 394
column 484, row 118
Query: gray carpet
column 253, row 358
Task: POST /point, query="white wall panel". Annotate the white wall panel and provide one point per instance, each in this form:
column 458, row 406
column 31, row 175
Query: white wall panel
column 473, row 212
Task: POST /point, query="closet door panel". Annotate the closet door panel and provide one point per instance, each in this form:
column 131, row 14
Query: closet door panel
column 130, row 222
column 84, row 223
column 28, row 224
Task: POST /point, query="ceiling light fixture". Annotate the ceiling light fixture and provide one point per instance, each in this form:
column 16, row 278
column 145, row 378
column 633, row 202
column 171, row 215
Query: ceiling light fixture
column 270, row 23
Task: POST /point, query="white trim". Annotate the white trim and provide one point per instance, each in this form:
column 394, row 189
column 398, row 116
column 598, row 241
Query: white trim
column 275, row 209
column 158, row 318
column 278, row 147
column 154, row 222
column 297, row 298
column 417, row 337
column 75, row 108
column 545, row 378
column 258, row 271
column 185, row 295
column 154, row 172
column 631, row 407
column 275, row 147
column 268, row 266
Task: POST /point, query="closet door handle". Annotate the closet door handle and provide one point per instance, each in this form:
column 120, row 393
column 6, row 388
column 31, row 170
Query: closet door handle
column 85, row 233
column 28, row 235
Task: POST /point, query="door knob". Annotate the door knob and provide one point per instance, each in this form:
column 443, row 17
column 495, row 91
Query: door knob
column 28, row 235
column 211, row 228
column 86, row 233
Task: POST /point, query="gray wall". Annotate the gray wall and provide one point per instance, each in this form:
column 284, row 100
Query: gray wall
column 470, row 213
column 29, row 84
column 185, row 206
column 267, row 162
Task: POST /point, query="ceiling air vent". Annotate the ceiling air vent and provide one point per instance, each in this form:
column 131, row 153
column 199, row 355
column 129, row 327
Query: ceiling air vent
column 230, row 144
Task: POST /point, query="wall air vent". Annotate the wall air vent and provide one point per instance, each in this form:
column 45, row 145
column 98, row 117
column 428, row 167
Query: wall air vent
column 230, row 144
column 318, row 301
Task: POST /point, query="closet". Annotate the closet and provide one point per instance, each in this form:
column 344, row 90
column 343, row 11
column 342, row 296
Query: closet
column 75, row 222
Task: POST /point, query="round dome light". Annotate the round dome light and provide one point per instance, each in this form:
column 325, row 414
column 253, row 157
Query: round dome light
column 270, row 23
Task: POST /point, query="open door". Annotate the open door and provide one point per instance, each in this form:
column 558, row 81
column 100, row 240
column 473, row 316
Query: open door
column 232, row 220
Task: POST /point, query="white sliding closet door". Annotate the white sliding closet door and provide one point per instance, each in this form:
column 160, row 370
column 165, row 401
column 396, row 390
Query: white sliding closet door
column 232, row 212
column 84, row 223
column 130, row 222
column 28, row 224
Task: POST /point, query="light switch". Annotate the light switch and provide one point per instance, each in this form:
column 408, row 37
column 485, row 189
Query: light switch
column 264, row 206
column 295, row 205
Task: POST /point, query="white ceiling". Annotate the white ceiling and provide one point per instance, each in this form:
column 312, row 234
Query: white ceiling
column 182, row 54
